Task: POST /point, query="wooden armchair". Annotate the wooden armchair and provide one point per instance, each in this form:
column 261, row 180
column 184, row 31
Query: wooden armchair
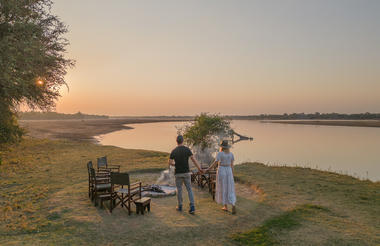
column 102, row 164
column 124, row 192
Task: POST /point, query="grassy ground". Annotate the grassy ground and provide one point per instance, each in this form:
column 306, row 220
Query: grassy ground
column 43, row 201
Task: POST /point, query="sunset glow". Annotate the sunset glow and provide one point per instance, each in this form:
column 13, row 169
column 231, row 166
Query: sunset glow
column 246, row 57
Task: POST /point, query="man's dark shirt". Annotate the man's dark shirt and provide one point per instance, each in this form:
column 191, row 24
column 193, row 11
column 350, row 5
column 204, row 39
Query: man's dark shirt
column 181, row 156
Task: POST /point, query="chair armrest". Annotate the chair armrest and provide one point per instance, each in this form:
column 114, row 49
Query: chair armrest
column 102, row 180
column 135, row 185
column 104, row 169
column 102, row 174
column 113, row 169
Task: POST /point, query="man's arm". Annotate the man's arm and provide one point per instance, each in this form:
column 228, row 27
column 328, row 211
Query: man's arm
column 196, row 163
column 171, row 162
column 171, row 159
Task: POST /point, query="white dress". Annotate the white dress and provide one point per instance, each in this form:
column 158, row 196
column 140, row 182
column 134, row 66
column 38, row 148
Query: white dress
column 225, row 185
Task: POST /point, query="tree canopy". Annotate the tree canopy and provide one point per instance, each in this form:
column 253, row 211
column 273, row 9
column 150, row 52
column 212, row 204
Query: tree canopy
column 206, row 130
column 32, row 60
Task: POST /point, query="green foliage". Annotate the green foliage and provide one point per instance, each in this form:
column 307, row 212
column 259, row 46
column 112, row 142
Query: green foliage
column 205, row 128
column 32, row 61
column 9, row 129
column 264, row 235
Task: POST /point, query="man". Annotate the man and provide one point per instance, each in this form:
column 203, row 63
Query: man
column 180, row 159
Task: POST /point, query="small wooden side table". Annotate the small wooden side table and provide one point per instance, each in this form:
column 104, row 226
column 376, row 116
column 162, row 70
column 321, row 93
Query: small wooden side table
column 142, row 204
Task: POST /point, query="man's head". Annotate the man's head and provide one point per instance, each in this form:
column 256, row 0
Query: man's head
column 179, row 139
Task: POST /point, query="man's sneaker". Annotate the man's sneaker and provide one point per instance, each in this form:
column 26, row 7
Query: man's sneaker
column 192, row 210
column 179, row 208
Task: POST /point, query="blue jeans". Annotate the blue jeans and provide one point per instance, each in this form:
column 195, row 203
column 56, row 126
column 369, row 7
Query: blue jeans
column 184, row 178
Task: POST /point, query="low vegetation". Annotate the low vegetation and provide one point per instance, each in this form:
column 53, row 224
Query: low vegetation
column 43, row 201
column 309, row 116
column 57, row 116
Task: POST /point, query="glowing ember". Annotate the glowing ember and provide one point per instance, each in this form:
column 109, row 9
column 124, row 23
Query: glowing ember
column 40, row 82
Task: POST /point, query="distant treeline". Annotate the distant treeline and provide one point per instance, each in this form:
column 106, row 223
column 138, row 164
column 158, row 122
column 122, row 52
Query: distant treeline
column 57, row 116
column 315, row 116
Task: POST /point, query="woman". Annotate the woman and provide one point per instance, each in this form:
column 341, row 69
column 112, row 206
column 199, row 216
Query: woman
column 225, row 186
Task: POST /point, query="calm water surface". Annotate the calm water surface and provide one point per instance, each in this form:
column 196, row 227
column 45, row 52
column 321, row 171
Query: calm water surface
column 349, row 150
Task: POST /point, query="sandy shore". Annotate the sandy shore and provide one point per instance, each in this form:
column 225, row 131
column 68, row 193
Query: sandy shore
column 355, row 123
column 85, row 130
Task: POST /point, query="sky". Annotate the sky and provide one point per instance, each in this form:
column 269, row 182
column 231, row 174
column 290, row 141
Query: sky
column 230, row 57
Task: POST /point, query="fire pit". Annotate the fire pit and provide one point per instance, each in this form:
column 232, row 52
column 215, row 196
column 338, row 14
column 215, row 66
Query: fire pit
column 159, row 191
column 164, row 186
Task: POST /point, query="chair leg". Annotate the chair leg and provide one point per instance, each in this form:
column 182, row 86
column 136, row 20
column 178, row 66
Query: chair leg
column 149, row 207
column 96, row 198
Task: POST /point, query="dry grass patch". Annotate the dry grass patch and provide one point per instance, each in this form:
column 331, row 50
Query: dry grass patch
column 44, row 201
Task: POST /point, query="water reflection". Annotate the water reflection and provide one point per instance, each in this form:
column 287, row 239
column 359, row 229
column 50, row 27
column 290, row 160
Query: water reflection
column 350, row 150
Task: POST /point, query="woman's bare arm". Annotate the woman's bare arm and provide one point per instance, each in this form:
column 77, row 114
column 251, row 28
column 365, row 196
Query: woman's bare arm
column 212, row 165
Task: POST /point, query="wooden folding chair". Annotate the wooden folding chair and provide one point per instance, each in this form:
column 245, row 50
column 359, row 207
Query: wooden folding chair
column 203, row 177
column 212, row 182
column 194, row 176
column 124, row 196
column 99, row 176
column 102, row 164
column 101, row 187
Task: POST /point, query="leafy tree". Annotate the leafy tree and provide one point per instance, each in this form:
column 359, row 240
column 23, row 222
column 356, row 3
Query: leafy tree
column 206, row 129
column 204, row 135
column 32, row 61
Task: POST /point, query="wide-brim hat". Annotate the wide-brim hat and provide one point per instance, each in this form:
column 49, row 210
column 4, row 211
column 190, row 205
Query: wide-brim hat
column 224, row 144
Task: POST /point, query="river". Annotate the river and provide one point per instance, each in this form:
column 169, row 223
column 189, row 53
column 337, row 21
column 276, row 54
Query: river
column 348, row 150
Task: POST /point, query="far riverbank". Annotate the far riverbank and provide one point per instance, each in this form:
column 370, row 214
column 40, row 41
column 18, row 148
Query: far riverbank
column 353, row 123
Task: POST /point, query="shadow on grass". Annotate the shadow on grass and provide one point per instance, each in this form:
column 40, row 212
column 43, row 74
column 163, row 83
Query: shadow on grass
column 266, row 233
